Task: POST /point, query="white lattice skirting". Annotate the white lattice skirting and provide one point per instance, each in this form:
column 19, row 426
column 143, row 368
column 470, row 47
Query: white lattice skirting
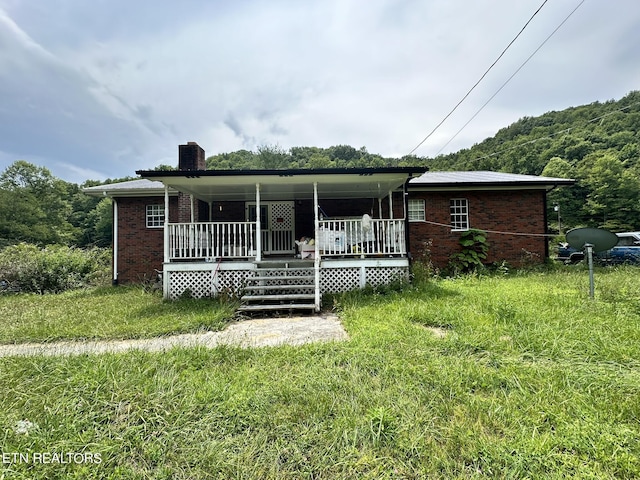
column 335, row 277
column 204, row 283
column 343, row 279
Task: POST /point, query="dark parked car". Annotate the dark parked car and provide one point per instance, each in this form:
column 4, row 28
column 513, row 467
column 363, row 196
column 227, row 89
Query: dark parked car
column 568, row 254
column 627, row 250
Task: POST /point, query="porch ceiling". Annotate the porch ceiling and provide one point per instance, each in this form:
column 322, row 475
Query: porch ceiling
column 224, row 185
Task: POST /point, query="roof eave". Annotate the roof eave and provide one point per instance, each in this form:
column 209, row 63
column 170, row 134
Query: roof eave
column 513, row 185
column 280, row 173
column 133, row 192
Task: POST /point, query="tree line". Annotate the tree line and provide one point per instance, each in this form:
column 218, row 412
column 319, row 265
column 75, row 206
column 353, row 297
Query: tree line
column 38, row 208
column 596, row 144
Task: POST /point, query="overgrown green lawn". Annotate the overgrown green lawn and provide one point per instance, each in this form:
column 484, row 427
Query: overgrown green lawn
column 104, row 313
column 532, row 380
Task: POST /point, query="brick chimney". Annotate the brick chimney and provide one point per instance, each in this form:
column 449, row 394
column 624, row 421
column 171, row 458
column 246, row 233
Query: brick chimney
column 191, row 157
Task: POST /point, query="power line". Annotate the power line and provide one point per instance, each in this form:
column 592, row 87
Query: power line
column 481, row 78
column 551, row 135
column 511, row 77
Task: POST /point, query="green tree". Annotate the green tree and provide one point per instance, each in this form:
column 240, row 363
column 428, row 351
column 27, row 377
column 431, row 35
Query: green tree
column 273, row 157
column 35, row 206
column 613, row 191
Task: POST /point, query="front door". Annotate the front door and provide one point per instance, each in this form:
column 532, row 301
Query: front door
column 277, row 220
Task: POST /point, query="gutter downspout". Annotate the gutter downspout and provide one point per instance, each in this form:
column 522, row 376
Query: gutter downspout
column 316, row 260
column 167, row 250
column 407, row 236
column 114, row 280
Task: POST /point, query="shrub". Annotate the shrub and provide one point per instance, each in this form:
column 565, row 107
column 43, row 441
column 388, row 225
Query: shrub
column 474, row 251
column 52, row 269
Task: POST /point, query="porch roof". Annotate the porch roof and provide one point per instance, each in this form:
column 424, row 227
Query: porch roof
column 220, row 185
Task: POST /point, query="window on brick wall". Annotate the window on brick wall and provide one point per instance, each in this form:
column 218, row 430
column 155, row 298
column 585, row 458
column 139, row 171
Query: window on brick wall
column 416, row 210
column 155, row 216
column 459, row 209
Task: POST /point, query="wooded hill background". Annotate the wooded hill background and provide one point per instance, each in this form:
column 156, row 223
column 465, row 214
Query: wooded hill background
column 596, row 144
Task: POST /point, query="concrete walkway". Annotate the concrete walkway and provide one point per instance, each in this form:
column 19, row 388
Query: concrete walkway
column 246, row 333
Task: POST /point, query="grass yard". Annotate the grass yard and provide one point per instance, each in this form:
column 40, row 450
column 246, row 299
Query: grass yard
column 531, row 380
column 105, row 313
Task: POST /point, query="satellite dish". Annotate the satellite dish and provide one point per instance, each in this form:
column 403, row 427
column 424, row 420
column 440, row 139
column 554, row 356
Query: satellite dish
column 598, row 238
column 591, row 240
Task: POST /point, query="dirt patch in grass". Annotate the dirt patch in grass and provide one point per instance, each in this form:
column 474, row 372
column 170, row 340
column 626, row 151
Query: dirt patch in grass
column 437, row 332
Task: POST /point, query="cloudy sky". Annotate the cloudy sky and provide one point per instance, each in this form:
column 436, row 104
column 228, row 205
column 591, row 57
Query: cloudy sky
column 100, row 88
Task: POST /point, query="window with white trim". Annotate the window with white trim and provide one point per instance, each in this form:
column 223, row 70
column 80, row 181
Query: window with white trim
column 459, row 209
column 155, row 216
column 416, row 210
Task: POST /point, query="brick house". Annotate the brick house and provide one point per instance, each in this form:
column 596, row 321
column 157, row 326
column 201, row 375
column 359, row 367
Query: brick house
column 199, row 227
column 510, row 207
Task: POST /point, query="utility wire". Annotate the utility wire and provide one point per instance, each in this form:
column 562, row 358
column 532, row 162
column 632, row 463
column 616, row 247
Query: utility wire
column 551, row 135
column 481, row 78
column 497, row 231
column 511, row 77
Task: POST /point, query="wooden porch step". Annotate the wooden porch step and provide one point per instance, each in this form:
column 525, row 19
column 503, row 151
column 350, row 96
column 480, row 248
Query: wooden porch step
column 289, row 286
column 282, row 297
column 289, row 264
column 281, row 277
column 272, row 307
column 276, row 286
column 284, row 270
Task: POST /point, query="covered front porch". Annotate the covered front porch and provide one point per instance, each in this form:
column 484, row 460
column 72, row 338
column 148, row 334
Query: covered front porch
column 336, row 229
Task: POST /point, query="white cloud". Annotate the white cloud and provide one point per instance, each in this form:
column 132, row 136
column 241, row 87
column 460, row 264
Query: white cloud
column 86, row 86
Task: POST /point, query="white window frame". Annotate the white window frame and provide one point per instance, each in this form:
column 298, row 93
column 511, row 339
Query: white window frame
column 459, row 214
column 155, row 215
column 416, row 210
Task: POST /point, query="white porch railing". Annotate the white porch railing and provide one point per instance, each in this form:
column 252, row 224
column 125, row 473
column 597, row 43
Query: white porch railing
column 211, row 240
column 208, row 240
column 357, row 237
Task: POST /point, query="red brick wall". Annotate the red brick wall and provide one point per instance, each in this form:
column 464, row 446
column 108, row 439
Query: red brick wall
column 505, row 211
column 140, row 249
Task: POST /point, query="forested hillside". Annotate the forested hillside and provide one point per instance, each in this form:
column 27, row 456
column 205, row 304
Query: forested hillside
column 596, row 144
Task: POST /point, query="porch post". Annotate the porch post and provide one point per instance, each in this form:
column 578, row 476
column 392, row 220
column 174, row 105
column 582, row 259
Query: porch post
column 316, row 261
column 380, row 207
column 390, row 204
column 192, row 216
column 258, row 226
column 166, row 224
